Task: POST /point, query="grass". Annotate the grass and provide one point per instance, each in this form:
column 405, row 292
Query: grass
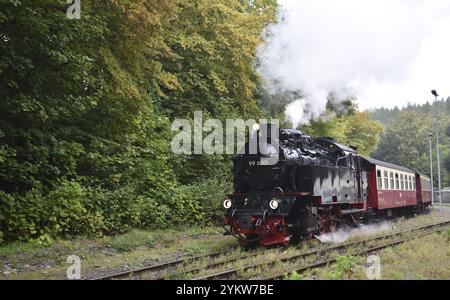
column 131, row 241
column 137, row 248
column 343, row 268
column 294, row 276
column 195, row 248
column 420, row 259
column 28, row 260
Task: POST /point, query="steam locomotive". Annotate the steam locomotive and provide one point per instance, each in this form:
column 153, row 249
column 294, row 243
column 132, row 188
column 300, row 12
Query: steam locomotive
column 315, row 186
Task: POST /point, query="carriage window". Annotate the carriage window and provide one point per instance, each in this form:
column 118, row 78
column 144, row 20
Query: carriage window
column 426, row 186
column 386, row 180
column 414, row 183
column 411, row 183
column 402, row 183
column 391, row 179
column 397, row 183
column 379, row 182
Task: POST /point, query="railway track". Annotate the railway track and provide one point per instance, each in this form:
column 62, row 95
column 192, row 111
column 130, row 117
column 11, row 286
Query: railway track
column 357, row 253
column 159, row 267
column 232, row 273
column 162, row 271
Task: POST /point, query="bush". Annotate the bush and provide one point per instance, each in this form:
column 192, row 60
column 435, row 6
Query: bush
column 72, row 209
column 62, row 212
column 343, row 268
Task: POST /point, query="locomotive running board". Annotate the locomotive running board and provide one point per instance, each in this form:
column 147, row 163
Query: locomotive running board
column 351, row 211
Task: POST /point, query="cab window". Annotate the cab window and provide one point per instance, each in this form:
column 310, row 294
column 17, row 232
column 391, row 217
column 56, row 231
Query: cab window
column 352, row 162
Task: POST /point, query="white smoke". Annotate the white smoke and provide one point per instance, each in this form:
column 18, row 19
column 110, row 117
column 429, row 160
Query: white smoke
column 341, row 235
column 384, row 52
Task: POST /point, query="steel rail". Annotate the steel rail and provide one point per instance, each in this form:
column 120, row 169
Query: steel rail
column 358, row 253
column 231, row 272
column 218, row 264
column 159, row 267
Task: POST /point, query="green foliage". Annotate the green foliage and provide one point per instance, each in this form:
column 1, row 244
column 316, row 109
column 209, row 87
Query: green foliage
column 447, row 234
column 44, row 240
column 406, row 140
column 63, row 211
column 294, row 276
column 196, row 231
column 195, row 247
column 343, row 268
column 87, row 105
column 356, row 129
column 131, row 241
column 212, row 49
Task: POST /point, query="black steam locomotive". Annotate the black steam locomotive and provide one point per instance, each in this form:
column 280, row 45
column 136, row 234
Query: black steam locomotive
column 315, row 186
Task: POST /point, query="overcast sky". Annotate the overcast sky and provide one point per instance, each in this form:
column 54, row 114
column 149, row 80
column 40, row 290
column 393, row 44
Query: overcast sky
column 387, row 52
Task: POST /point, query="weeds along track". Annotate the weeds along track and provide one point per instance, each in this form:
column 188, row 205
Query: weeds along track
column 235, row 265
column 158, row 268
column 315, row 258
column 160, row 271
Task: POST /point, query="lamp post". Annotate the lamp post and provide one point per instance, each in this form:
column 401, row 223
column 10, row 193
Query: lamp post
column 430, row 135
column 438, row 156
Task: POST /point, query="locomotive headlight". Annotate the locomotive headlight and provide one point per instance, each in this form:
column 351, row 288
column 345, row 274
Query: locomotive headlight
column 273, row 204
column 227, row 203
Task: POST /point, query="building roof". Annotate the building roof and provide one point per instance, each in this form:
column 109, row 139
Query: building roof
column 387, row 165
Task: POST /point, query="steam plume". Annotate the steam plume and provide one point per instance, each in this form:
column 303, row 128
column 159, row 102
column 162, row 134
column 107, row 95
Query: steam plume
column 378, row 51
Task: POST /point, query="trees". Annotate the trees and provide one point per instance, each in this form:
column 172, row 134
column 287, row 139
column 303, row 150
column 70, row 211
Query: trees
column 343, row 122
column 406, row 142
column 87, row 104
